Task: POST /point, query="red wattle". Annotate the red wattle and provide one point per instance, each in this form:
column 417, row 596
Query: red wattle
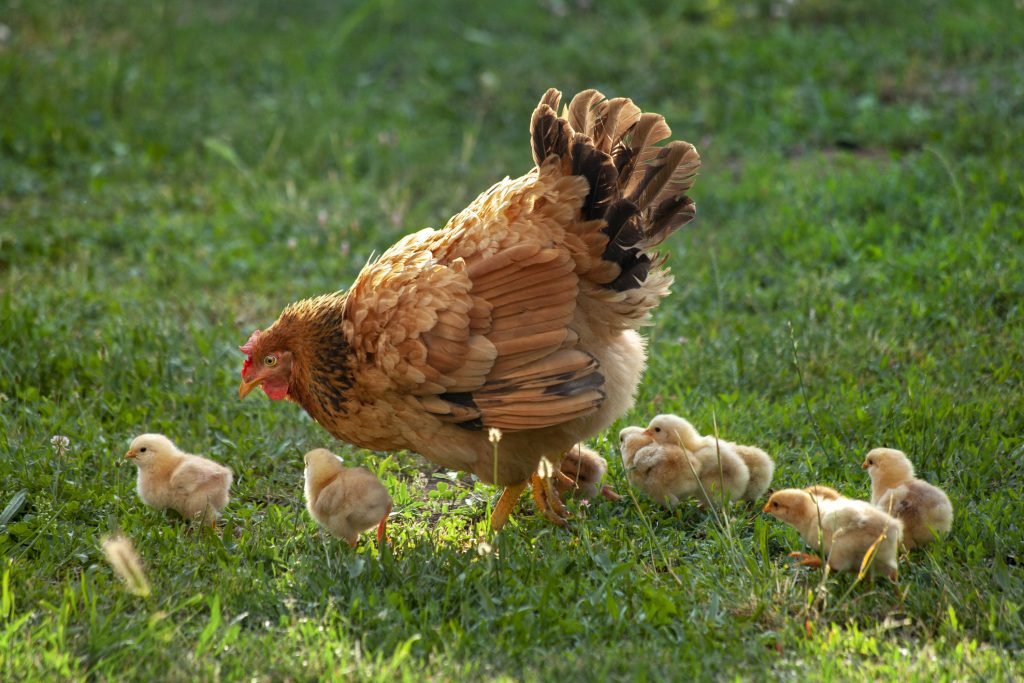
column 275, row 391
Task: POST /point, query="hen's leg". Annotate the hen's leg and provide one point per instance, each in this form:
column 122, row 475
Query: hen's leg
column 508, row 500
column 548, row 500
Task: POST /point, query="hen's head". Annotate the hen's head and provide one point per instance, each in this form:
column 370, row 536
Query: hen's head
column 268, row 365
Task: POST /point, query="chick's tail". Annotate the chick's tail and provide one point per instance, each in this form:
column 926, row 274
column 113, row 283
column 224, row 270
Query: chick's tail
column 637, row 195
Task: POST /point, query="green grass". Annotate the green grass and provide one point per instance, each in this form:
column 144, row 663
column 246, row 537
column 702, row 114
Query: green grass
column 173, row 174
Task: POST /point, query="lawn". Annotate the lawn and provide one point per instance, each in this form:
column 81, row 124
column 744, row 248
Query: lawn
column 172, row 174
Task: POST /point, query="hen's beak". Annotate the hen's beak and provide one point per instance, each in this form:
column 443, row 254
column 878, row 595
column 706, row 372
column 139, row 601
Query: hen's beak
column 245, row 387
column 130, row 454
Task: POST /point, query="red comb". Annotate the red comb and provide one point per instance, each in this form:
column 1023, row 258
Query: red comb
column 247, row 347
column 247, row 350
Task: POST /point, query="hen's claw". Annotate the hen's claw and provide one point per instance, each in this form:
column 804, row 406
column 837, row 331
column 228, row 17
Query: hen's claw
column 548, row 500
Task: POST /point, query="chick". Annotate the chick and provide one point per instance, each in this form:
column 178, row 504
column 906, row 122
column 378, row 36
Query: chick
column 721, row 469
column 761, row 468
column 842, row 528
column 344, row 500
column 666, row 473
column 168, row 478
column 583, row 469
column 631, row 440
column 924, row 509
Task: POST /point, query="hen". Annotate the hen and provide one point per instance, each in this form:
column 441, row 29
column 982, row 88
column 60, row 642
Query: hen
column 520, row 314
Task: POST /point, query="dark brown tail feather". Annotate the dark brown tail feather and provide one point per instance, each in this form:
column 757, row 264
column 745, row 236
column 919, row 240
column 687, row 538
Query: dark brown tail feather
column 637, row 187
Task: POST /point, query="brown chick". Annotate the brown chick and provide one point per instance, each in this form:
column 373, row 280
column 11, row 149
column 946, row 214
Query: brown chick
column 192, row 485
column 843, row 529
column 344, row 500
column 582, row 469
column 521, row 314
column 924, row 509
column 721, row 469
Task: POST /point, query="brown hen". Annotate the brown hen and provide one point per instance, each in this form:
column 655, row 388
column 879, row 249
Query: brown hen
column 520, row 314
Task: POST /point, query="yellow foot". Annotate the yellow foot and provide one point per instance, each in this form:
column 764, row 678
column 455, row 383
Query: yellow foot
column 508, row 500
column 547, row 500
column 806, row 560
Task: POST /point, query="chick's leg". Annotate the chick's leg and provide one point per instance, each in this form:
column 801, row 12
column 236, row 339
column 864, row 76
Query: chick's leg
column 548, row 500
column 806, row 560
column 382, row 535
column 508, row 500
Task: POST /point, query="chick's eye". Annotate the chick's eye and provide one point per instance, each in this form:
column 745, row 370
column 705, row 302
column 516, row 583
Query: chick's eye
column 657, row 430
column 142, row 450
column 270, row 360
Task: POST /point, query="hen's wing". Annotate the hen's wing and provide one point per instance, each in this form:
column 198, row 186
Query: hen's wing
column 472, row 324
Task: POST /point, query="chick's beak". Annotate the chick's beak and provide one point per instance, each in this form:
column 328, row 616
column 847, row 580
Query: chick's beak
column 864, row 465
column 648, row 432
column 130, row 454
column 247, row 386
column 765, row 508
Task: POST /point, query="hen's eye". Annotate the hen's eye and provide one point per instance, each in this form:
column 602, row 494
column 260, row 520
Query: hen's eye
column 270, row 361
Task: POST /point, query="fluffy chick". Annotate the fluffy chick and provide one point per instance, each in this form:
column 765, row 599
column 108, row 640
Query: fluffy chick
column 843, row 529
column 761, row 468
column 631, row 440
column 666, row 473
column 582, row 469
column 924, row 509
column 344, row 500
column 168, row 478
column 721, row 469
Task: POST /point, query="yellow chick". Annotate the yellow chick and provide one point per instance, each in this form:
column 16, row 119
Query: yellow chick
column 924, row 509
column 168, row 478
column 344, row 500
column 631, row 440
column 582, row 469
column 721, row 469
column 843, row 529
column 665, row 473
